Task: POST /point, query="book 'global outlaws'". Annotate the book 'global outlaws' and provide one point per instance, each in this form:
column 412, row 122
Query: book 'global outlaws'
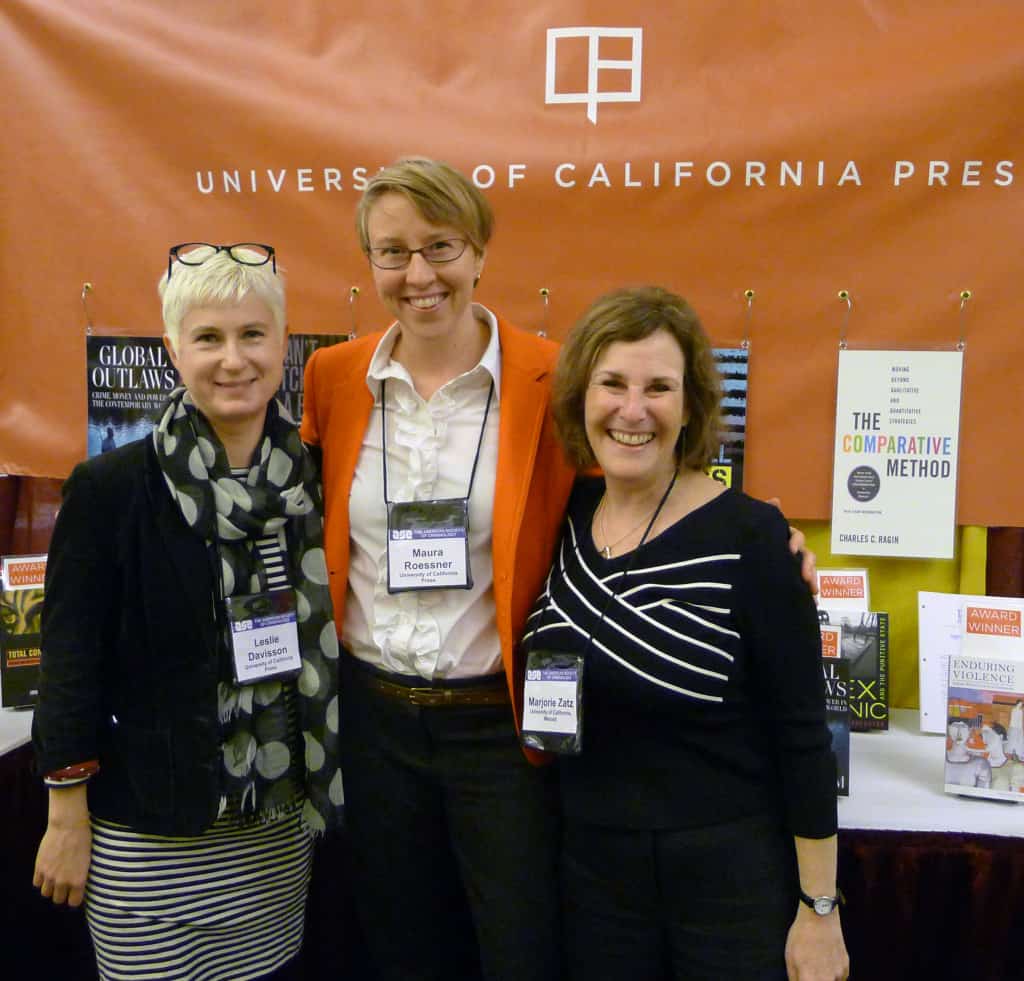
column 865, row 645
column 985, row 728
column 129, row 379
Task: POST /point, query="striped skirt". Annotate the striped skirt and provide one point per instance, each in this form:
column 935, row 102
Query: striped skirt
column 226, row 905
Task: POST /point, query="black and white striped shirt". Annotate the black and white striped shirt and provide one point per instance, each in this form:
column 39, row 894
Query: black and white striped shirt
column 703, row 692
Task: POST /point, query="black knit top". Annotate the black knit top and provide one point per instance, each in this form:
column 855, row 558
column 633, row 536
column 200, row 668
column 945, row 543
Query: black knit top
column 703, row 693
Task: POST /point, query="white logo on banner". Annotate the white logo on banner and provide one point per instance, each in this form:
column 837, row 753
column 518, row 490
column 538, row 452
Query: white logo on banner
column 593, row 95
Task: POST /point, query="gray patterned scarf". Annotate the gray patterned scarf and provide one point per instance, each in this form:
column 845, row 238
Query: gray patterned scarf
column 280, row 490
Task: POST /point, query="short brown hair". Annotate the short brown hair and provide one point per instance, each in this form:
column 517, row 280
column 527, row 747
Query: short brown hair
column 439, row 192
column 633, row 314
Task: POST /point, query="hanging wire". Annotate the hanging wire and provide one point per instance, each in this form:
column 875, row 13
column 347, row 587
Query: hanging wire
column 749, row 297
column 86, row 290
column 545, row 293
column 353, row 297
column 965, row 296
column 844, row 297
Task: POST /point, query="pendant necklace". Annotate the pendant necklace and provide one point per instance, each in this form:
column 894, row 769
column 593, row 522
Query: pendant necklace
column 606, row 552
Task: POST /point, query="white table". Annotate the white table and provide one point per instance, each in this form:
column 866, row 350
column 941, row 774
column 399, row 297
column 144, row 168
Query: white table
column 15, row 729
column 896, row 784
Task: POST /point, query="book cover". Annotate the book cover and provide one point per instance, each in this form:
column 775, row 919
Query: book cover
column 129, row 379
column 992, row 627
column 865, row 645
column 21, row 607
column 300, row 348
column 727, row 466
column 956, row 623
column 844, row 589
column 985, row 727
column 836, row 672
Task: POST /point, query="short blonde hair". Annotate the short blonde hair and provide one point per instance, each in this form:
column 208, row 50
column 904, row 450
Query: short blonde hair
column 220, row 281
column 627, row 315
column 438, row 191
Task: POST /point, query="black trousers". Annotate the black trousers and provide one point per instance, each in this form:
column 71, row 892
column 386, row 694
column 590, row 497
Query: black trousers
column 706, row 904
column 454, row 840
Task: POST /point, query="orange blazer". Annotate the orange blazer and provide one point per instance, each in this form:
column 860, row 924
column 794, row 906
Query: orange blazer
column 531, row 490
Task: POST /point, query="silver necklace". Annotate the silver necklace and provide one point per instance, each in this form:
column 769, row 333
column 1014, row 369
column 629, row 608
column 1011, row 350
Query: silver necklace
column 606, row 552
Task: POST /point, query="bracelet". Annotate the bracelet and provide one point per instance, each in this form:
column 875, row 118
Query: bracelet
column 69, row 775
column 64, row 784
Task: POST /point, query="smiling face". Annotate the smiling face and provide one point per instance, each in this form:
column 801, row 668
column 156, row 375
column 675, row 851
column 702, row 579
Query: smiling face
column 231, row 359
column 635, row 409
column 430, row 301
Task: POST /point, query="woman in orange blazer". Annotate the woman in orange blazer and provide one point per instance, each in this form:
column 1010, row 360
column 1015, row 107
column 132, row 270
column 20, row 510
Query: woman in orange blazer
column 453, row 831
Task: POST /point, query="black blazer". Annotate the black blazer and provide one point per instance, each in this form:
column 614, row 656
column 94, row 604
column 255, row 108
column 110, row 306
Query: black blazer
column 129, row 648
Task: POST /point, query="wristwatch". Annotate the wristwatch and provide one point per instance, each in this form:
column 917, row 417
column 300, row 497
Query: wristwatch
column 822, row 905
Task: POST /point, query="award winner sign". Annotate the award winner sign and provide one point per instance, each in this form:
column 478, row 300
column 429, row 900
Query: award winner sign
column 895, row 463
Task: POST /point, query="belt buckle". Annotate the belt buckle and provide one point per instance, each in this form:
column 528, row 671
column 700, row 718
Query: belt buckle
column 426, row 697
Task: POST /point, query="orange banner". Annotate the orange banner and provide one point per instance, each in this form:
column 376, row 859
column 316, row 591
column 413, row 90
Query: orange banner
column 872, row 147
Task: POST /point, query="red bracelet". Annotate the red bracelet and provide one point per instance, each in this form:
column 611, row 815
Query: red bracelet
column 75, row 772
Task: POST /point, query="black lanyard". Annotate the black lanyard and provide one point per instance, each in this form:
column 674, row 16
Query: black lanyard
column 623, row 576
column 384, row 431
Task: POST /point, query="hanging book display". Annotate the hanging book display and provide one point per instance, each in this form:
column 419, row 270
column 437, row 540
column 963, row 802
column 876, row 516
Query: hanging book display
column 896, row 451
column 727, row 466
column 128, row 379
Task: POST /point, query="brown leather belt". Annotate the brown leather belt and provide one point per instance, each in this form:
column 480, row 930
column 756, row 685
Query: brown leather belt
column 492, row 693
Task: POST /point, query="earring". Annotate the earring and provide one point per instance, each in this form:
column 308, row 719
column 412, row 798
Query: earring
column 476, row 280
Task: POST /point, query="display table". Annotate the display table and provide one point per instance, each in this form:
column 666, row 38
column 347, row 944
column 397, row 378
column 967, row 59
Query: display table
column 934, row 883
column 896, row 779
column 925, row 898
column 15, row 729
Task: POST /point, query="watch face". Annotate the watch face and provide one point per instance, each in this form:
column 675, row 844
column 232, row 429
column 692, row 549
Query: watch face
column 824, row 905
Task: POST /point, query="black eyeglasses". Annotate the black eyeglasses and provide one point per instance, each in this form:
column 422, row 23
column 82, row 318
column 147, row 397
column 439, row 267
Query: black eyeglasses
column 398, row 257
column 244, row 253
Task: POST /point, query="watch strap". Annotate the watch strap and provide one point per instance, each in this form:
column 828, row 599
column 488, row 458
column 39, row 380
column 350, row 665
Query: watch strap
column 823, row 905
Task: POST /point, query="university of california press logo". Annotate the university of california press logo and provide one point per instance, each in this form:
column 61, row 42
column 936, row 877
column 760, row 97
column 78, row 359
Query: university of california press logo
column 594, row 93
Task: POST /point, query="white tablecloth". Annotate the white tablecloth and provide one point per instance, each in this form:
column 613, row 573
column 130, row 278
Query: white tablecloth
column 896, row 781
column 15, row 726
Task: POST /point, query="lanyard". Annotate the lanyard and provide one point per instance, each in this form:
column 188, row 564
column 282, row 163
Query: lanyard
column 553, row 698
column 384, row 430
column 623, row 576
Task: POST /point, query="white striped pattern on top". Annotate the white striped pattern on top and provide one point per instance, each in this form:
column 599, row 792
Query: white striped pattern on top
column 663, row 631
column 227, row 905
column 271, row 553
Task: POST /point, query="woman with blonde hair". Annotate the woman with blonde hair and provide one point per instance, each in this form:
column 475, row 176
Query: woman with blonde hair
column 187, row 723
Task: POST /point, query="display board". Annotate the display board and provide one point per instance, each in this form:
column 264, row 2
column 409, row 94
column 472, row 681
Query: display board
column 713, row 149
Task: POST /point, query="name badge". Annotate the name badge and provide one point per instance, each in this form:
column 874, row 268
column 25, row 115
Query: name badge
column 264, row 636
column 552, row 703
column 428, row 545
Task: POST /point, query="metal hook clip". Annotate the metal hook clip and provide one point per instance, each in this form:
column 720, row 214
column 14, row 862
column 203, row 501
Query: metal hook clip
column 748, row 295
column 545, row 293
column 86, row 290
column 844, row 297
column 965, row 296
column 353, row 296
